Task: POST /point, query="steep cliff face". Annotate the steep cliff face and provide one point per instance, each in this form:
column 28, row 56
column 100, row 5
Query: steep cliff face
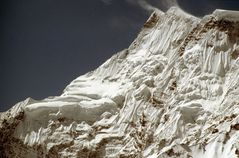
column 173, row 93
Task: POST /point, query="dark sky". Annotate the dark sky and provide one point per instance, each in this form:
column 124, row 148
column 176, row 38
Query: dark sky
column 45, row 44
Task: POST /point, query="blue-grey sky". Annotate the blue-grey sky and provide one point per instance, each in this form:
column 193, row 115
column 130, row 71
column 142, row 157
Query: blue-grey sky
column 45, row 44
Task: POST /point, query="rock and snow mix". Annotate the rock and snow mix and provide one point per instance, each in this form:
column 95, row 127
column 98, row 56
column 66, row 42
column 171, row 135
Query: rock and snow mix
column 173, row 93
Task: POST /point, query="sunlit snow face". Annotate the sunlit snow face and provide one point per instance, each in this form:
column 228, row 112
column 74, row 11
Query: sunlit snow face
column 191, row 57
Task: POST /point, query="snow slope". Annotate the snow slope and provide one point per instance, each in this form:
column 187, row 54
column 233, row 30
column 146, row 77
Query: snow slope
column 173, row 93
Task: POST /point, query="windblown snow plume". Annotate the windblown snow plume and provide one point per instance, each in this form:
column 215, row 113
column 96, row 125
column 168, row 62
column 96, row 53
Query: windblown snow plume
column 149, row 5
column 143, row 4
column 173, row 93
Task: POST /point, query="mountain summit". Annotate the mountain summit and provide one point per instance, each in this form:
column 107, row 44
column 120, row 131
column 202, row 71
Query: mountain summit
column 173, row 93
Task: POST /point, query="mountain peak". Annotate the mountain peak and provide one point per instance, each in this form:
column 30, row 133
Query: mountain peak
column 173, row 93
column 230, row 15
column 179, row 12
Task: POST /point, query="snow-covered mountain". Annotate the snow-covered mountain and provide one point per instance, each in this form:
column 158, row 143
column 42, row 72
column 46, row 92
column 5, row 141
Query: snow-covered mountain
column 173, row 93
